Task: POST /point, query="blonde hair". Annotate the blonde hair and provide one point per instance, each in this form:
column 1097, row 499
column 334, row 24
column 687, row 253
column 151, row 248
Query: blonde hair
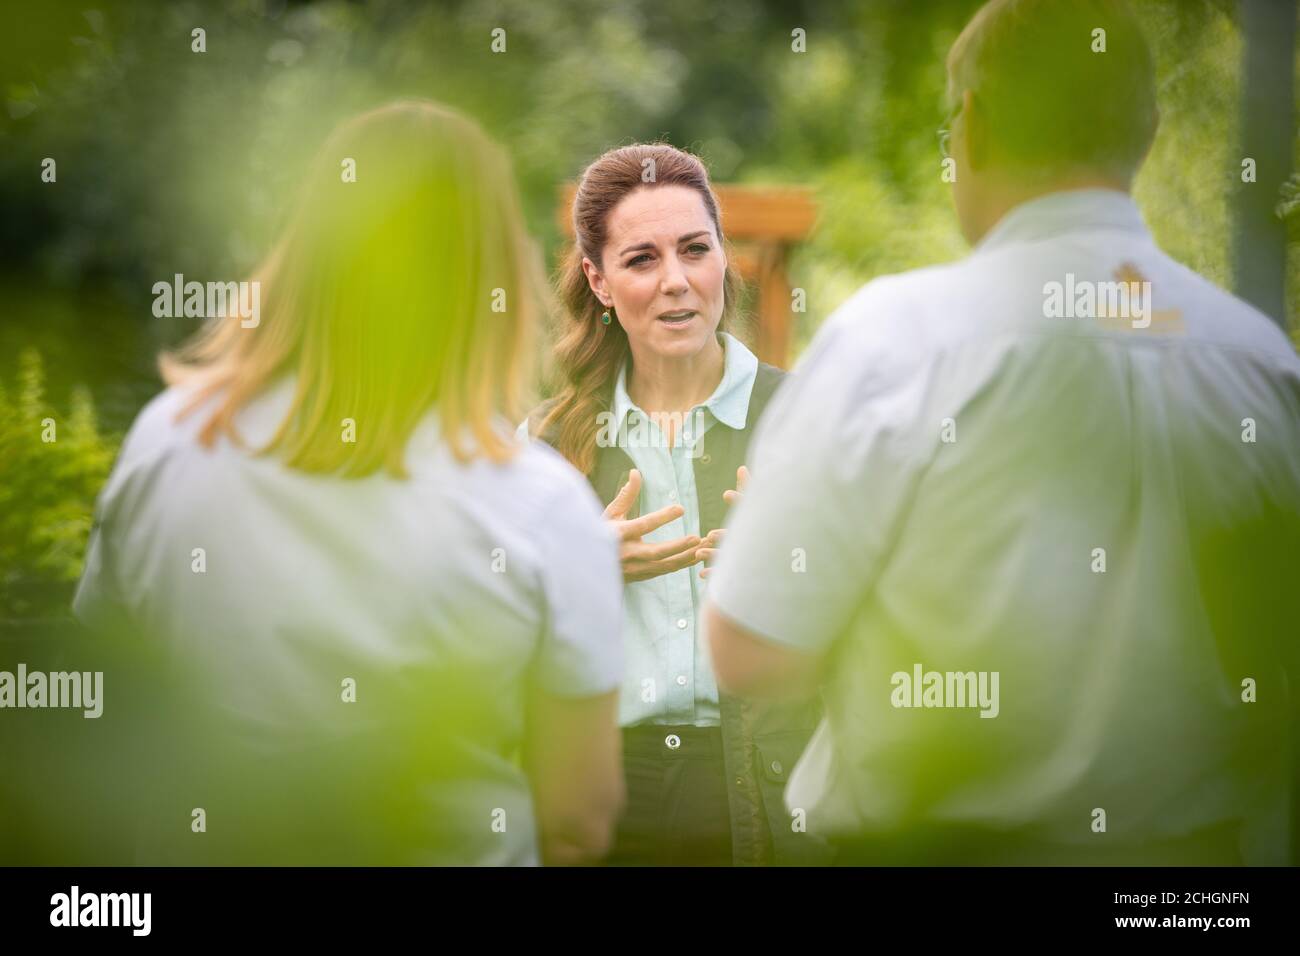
column 415, row 286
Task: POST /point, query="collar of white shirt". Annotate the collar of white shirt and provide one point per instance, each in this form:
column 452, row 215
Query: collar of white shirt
column 1076, row 210
column 729, row 402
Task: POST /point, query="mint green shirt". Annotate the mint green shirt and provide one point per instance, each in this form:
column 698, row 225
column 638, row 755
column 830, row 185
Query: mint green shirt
column 668, row 678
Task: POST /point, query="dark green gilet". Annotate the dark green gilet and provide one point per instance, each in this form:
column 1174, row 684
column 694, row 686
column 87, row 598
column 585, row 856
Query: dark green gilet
column 761, row 740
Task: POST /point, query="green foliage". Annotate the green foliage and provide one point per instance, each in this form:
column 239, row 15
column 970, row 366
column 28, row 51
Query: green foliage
column 51, row 468
column 175, row 161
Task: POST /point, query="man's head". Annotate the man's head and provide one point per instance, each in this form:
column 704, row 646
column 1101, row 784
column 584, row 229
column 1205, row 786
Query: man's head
column 1046, row 95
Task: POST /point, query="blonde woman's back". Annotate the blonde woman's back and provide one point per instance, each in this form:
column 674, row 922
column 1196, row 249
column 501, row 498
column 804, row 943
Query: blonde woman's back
column 396, row 623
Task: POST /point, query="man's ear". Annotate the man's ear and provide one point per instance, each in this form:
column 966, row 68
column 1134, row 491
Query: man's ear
column 975, row 130
column 1151, row 140
column 596, row 281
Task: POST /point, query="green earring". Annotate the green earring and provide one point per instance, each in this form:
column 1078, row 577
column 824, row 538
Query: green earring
column 605, row 317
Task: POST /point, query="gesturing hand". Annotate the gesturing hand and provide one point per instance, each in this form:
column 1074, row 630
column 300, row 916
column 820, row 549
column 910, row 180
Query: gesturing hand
column 641, row 560
column 714, row 538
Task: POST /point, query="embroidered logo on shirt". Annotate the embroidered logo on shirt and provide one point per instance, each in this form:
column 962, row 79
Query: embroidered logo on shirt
column 1126, row 303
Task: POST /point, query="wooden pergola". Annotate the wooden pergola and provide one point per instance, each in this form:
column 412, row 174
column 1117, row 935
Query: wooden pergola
column 761, row 223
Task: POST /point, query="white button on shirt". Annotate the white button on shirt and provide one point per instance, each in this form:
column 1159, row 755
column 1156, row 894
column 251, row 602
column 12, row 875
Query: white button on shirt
column 489, row 572
column 958, row 481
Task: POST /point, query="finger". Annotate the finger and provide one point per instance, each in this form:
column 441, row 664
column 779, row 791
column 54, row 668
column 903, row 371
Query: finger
column 731, row 497
column 742, row 478
column 713, row 538
column 707, row 554
column 684, row 560
column 626, row 495
column 662, row 550
column 642, row 526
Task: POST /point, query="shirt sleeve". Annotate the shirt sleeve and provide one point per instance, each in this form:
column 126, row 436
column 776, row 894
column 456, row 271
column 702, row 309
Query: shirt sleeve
column 582, row 582
column 99, row 603
column 831, row 474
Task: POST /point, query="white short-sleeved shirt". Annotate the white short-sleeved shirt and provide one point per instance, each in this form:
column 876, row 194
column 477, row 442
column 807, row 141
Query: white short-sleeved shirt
column 1100, row 510
column 276, row 585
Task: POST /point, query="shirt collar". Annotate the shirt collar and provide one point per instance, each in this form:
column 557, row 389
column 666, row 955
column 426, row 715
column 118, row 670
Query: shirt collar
column 1076, row 210
column 729, row 402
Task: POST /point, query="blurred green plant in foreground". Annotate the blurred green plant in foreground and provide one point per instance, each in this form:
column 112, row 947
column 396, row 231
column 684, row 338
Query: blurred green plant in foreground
column 52, row 466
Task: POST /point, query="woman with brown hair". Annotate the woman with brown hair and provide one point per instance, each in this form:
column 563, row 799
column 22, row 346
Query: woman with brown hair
column 656, row 405
column 401, row 625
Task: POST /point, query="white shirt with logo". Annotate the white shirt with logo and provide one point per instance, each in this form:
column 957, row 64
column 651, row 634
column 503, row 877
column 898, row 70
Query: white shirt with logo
column 1098, row 503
